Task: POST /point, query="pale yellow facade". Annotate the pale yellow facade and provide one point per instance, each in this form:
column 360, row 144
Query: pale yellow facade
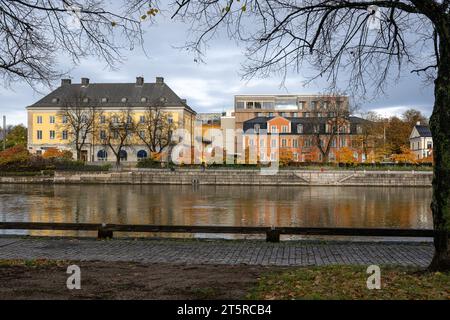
column 47, row 130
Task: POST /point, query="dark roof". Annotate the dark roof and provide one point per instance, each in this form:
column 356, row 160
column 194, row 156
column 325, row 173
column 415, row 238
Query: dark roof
column 114, row 92
column 424, row 131
column 308, row 124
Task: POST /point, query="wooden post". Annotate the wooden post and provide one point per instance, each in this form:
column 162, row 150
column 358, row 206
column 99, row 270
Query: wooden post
column 104, row 233
column 273, row 236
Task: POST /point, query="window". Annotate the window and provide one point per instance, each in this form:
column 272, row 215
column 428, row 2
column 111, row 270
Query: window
column 300, row 128
column 274, row 129
column 115, row 119
column 129, row 119
column 102, row 134
column 85, row 100
column 316, row 128
column 285, row 114
column 240, row 105
column 257, row 105
column 286, row 104
column 141, row 155
column 333, row 143
column 313, row 105
column 307, row 115
column 64, row 119
column 295, row 156
column 274, row 143
column 342, row 142
column 295, row 143
column 123, row 155
column 284, row 143
column 307, row 143
column 257, row 127
column 39, row 119
column 116, row 134
column 52, row 119
column 102, row 155
column 55, row 100
column 268, row 105
column 102, row 119
column 295, row 114
column 39, row 134
column 104, row 100
column 359, row 129
column 143, row 100
column 142, row 134
column 270, row 114
column 52, row 134
column 170, row 119
column 65, row 135
column 124, row 100
column 430, row 145
column 249, row 105
column 301, row 105
column 285, row 129
column 141, row 119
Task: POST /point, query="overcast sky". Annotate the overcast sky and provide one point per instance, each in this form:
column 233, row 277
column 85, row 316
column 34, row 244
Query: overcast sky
column 209, row 86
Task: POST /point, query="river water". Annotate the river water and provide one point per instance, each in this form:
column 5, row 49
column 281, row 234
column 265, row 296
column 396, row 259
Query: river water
column 373, row 207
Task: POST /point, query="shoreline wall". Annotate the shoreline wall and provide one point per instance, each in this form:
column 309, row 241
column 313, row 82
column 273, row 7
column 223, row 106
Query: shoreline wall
column 234, row 177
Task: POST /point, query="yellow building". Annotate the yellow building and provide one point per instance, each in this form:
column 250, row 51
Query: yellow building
column 48, row 118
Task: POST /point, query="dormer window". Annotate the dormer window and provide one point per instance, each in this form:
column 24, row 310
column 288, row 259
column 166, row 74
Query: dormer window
column 299, row 128
column 55, row 100
column 104, row 100
column 85, row 100
column 257, row 128
column 124, row 100
column 143, row 99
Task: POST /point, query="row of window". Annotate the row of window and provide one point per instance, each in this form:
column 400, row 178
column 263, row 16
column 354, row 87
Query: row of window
column 300, row 129
column 283, row 104
column 114, row 119
column 307, row 143
column 102, row 100
column 65, row 134
column 102, row 155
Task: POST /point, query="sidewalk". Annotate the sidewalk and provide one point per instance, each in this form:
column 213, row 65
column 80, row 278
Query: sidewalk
column 257, row 253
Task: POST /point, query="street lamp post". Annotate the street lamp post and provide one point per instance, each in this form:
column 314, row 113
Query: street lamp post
column 4, row 132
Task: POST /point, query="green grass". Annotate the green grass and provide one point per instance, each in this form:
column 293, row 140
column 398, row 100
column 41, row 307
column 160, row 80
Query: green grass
column 349, row 283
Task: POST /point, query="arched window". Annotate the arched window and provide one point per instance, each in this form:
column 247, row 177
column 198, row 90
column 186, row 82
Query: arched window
column 102, row 155
column 123, row 155
column 142, row 154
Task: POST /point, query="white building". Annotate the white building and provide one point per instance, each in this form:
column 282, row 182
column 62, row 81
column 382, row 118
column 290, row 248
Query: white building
column 421, row 141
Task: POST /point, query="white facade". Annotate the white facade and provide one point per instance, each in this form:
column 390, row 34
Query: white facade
column 421, row 142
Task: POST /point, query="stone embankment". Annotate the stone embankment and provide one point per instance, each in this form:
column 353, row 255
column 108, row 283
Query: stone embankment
column 235, row 177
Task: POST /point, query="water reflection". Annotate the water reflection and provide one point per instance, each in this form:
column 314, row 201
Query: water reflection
column 219, row 205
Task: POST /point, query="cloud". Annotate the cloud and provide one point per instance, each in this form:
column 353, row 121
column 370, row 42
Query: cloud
column 209, row 86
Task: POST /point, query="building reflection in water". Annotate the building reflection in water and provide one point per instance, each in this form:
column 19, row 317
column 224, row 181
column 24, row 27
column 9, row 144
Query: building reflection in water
column 218, row 205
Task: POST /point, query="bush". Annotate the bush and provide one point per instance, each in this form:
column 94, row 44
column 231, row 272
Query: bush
column 15, row 156
column 149, row 163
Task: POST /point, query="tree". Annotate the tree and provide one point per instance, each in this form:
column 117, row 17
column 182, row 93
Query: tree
column 54, row 153
column 33, row 33
column 333, row 120
column 373, row 41
column 156, row 129
column 397, row 135
column 371, row 137
column 16, row 136
column 79, row 118
column 117, row 133
column 345, row 156
column 412, row 117
column 405, row 157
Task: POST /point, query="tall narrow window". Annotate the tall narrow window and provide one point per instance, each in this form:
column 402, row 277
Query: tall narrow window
column 39, row 134
column 52, row 119
column 52, row 134
column 65, row 135
column 39, row 119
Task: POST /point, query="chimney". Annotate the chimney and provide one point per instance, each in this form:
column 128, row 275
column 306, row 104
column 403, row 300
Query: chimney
column 140, row 81
column 66, row 82
column 85, row 81
column 159, row 80
column 184, row 101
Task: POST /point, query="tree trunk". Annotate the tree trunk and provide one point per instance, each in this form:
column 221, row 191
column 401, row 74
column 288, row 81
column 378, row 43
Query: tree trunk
column 440, row 128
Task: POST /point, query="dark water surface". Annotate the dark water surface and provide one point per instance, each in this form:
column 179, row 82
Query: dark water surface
column 217, row 205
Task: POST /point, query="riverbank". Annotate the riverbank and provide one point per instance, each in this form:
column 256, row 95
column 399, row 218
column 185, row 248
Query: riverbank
column 232, row 177
column 44, row 279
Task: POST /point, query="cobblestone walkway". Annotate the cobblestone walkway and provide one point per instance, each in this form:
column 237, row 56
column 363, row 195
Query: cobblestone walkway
column 219, row 252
